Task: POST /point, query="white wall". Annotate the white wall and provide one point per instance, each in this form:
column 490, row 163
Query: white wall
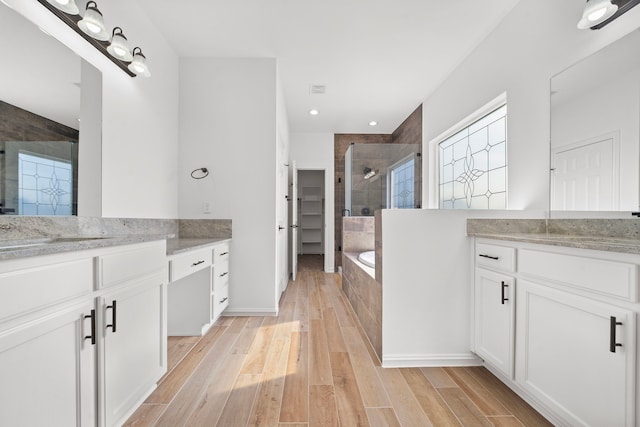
column 536, row 40
column 427, row 284
column 139, row 116
column 282, row 176
column 315, row 151
column 228, row 124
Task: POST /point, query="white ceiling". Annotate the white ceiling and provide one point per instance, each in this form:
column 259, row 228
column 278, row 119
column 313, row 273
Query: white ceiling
column 378, row 58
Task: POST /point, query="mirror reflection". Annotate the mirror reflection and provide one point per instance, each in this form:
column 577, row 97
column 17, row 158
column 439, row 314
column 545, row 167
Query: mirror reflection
column 595, row 131
column 39, row 128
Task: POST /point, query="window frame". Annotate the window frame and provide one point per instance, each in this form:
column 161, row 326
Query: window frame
column 434, row 152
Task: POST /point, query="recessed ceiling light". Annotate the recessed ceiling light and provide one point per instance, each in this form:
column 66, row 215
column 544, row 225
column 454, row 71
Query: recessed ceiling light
column 314, row 112
column 373, row 123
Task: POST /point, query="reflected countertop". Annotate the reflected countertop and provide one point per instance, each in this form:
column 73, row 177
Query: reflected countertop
column 178, row 245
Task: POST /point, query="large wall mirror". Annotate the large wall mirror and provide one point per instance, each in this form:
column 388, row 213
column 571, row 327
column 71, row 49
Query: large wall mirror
column 41, row 105
column 595, row 131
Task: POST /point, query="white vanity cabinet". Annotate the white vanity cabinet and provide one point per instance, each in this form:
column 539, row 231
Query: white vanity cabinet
column 199, row 289
column 47, row 366
column 133, row 323
column 61, row 362
column 494, row 294
column 575, row 336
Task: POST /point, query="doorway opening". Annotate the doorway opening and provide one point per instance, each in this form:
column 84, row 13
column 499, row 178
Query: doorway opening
column 311, row 220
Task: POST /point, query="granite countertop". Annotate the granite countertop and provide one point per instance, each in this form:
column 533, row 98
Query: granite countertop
column 14, row 249
column 177, row 245
column 600, row 243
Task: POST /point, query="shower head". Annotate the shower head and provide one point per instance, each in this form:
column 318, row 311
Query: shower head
column 368, row 172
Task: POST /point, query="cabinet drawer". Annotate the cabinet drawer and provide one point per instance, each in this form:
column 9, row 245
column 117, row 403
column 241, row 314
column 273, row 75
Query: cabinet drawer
column 188, row 263
column 220, row 275
column 221, row 253
column 496, row 257
column 22, row 291
column 131, row 263
column 220, row 301
column 601, row 276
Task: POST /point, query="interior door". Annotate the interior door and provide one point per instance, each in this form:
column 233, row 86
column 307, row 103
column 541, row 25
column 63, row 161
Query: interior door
column 586, row 176
column 294, row 219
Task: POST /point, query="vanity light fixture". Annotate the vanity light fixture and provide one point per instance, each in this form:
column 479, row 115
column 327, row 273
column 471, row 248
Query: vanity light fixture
column 93, row 23
column 119, row 46
column 598, row 13
column 91, row 27
column 138, row 64
column 67, row 6
column 314, row 112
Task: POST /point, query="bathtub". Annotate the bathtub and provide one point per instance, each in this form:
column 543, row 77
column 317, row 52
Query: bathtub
column 368, row 258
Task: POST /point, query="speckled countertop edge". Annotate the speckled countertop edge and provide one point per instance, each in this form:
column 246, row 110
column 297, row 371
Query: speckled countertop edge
column 175, row 245
column 178, row 245
column 72, row 246
column 600, row 243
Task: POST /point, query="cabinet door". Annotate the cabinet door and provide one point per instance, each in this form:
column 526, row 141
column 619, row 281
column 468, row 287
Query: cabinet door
column 564, row 355
column 134, row 353
column 494, row 319
column 47, row 371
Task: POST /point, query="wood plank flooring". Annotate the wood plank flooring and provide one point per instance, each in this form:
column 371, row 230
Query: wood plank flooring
column 313, row 366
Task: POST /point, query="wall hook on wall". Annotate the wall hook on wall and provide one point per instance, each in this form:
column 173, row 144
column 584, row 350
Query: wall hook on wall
column 199, row 173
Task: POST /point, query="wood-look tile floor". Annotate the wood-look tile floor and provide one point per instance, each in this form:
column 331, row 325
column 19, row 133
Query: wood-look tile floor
column 312, row 366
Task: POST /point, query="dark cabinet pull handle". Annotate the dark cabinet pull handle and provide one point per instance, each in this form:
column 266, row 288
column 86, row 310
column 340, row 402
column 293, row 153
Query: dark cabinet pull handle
column 223, row 300
column 223, row 274
column 93, row 327
column 504, row 285
column 612, row 334
column 489, row 256
column 197, row 263
column 113, row 316
column 224, row 253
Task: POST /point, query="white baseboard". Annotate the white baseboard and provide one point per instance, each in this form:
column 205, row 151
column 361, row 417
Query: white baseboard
column 430, row 360
column 249, row 312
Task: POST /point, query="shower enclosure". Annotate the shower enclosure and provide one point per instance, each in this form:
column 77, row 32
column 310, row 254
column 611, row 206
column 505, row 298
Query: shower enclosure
column 382, row 176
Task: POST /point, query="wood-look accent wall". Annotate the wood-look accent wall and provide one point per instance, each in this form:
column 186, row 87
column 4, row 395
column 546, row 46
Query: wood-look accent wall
column 409, row 132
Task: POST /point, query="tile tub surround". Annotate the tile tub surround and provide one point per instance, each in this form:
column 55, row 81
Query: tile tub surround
column 358, row 233
column 365, row 296
column 359, row 281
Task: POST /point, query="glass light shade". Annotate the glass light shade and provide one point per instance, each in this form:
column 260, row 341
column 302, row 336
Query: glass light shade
column 138, row 64
column 596, row 12
column 119, row 47
column 92, row 23
column 67, row 6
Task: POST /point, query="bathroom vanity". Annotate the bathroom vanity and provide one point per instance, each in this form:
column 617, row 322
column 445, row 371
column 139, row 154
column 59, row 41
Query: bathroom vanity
column 555, row 319
column 199, row 284
column 82, row 329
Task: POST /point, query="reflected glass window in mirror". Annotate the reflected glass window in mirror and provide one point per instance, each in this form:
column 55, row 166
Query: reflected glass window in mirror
column 45, row 185
column 402, row 176
column 473, row 164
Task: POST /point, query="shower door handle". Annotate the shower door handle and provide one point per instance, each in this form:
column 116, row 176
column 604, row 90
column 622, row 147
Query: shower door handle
column 294, row 226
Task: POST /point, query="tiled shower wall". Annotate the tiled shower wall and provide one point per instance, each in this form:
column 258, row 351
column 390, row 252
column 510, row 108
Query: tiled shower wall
column 409, row 132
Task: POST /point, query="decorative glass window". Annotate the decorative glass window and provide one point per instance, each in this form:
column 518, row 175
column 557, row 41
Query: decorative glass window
column 45, row 185
column 401, row 184
column 473, row 165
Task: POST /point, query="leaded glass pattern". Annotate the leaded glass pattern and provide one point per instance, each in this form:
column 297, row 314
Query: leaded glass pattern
column 402, row 185
column 473, row 165
column 45, row 185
